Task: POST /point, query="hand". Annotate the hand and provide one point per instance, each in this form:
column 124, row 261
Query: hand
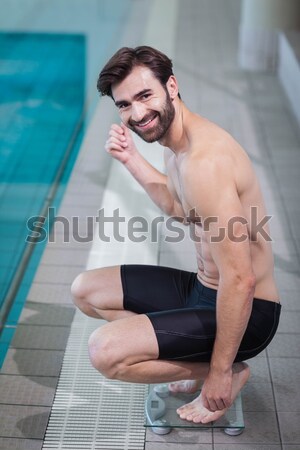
column 120, row 144
column 216, row 390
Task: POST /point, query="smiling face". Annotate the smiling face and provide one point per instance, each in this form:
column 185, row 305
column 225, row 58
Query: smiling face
column 145, row 106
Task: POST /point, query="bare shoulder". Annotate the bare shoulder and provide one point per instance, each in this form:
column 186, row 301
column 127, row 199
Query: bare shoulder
column 215, row 154
column 211, row 148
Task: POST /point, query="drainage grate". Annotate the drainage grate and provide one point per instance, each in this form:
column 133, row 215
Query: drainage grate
column 90, row 412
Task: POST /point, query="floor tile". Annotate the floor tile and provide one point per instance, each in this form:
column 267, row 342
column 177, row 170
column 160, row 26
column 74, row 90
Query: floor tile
column 287, row 280
column 289, row 299
column 286, row 261
column 57, row 274
column 260, row 428
column 58, row 242
column 50, row 293
column 286, row 249
column 287, row 396
column 21, row 390
column 61, row 257
column 172, row 446
column 33, row 362
column 258, row 397
column 20, row 444
column 284, row 369
column 35, row 313
column 40, row 337
column 240, row 446
column 178, row 436
column 259, row 370
column 285, row 383
column 285, row 345
column 289, row 427
column 289, row 322
column 290, row 447
column 23, row 421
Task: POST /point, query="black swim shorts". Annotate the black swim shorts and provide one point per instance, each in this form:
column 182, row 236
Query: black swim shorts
column 183, row 313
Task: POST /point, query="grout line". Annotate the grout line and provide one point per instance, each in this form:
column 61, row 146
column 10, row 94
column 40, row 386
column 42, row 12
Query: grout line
column 274, row 399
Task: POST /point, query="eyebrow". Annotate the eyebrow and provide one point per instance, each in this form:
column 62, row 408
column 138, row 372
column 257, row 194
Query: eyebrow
column 135, row 97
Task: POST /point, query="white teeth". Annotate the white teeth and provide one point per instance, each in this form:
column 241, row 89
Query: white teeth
column 143, row 124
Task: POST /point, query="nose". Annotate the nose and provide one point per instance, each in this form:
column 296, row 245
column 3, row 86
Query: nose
column 137, row 111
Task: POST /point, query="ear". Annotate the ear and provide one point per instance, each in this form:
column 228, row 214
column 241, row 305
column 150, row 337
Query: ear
column 172, row 87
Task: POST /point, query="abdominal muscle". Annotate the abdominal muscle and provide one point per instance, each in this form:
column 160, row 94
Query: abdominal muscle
column 208, row 273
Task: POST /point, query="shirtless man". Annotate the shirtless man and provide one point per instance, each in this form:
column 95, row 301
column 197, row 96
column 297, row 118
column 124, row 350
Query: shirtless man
column 168, row 325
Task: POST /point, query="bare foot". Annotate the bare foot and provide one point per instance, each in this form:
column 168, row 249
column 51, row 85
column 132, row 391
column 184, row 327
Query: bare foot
column 197, row 413
column 185, row 386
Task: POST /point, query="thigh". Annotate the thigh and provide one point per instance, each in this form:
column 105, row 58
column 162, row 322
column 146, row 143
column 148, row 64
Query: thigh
column 102, row 287
column 130, row 340
column 155, row 288
column 185, row 334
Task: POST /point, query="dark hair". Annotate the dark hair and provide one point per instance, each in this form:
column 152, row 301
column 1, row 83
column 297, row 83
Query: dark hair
column 124, row 60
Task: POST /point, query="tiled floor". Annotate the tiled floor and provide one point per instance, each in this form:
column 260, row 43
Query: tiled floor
column 254, row 108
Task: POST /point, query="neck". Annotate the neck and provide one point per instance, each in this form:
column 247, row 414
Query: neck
column 176, row 137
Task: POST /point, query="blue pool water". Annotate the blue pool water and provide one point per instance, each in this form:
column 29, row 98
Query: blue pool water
column 42, row 83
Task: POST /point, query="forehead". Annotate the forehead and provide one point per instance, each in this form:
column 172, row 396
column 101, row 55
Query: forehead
column 139, row 78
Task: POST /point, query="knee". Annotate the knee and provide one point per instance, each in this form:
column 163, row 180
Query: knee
column 102, row 353
column 79, row 289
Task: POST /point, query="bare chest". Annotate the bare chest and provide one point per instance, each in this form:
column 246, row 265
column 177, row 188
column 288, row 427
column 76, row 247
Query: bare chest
column 178, row 193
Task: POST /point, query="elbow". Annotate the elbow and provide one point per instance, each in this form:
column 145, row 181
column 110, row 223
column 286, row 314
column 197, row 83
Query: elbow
column 247, row 283
column 243, row 282
column 167, row 207
column 251, row 281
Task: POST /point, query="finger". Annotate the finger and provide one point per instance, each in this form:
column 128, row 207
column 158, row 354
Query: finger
column 113, row 140
column 111, row 147
column 227, row 402
column 117, row 128
column 220, row 404
column 125, row 129
column 116, row 135
column 212, row 406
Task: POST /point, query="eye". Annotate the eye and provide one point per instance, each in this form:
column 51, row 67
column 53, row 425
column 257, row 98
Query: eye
column 145, row 96
column 123, row 106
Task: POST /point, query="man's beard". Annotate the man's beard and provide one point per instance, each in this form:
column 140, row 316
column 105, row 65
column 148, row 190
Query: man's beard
column 165, row 118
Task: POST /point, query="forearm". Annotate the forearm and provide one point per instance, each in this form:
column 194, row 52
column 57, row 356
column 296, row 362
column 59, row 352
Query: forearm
column 153, row 182
column 234, row 305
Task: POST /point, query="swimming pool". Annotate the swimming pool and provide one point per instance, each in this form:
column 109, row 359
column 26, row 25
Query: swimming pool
column 45, row 78
column 42, row 101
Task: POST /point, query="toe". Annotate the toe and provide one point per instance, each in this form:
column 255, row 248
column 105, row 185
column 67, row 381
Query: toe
column 208, row 418
column 180, row 410
column 192, row 414
column 197, row 419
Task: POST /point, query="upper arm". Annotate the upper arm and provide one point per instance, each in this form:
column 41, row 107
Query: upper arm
column 210, row 188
